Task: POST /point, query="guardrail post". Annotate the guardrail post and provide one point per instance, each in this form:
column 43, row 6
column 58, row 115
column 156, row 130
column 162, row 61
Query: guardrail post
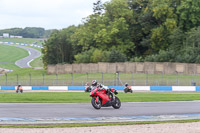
column 146, row 78
column 43, row 79
column 17, row 79
column 102, row 78
column 6, row 79
column 176, row 78
column 87, row 76
column 115, row 81
column 30, row 79
column 162, row 79
column 117, row 78
column 72, row 79
column 56, row 79
column 132, row 78
column 193, row 77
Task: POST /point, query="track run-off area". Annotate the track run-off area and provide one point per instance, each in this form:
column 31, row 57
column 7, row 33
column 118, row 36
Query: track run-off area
column 36, row 113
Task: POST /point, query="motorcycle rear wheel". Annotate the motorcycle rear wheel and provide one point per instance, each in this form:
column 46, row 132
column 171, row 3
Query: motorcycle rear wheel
column 95, row 104
column 125, row 90
column 117, row 103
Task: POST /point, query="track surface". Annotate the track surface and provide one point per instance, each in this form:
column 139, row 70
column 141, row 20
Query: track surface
column 33, row 53
column 53, row 110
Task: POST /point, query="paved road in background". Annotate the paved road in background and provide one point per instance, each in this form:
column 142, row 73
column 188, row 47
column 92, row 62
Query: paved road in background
column 54, row 110
column 33, row 53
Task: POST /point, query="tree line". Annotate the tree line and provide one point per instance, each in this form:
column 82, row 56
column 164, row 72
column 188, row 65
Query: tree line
column 28, row 32
column 130, row 30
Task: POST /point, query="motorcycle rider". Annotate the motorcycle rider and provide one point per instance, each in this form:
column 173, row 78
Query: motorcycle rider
column 127, row 88
column 101, row 87
column 126, row 85
column 19, row 88
column 94, row 84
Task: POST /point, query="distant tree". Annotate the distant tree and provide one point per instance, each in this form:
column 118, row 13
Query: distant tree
column 32, row 32
column 98, row 7
column 28, row 32
column 189, row 14
column 58, row 48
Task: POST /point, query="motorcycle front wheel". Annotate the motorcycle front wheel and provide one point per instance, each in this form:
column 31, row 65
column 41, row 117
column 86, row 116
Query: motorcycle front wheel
column 117, row 103
column 95, row 104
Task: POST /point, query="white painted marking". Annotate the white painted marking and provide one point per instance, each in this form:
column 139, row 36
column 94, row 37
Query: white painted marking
column 183, row 88
column 28, row 63
column 140, row 88
column 58, row 88
column 25, row 88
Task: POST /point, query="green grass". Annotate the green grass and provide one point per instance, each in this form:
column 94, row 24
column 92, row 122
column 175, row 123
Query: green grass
column 21, row 40
column 11, row 54
column 82, row 78
column 9, row 66
column 95, row 124
column 37, row 62
column 79, row 97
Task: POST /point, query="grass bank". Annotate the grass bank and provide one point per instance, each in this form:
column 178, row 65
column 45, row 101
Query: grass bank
column 80, row 97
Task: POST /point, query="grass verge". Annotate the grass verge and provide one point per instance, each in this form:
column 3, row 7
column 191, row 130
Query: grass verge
column 82, row 97
column 95, row 124
column 132, row 79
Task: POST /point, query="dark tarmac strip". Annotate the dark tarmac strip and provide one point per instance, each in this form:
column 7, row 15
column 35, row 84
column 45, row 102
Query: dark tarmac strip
column 74, row 112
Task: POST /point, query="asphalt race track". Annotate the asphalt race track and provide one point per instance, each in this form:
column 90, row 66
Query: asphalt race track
column 33, row 53
column 75, row 110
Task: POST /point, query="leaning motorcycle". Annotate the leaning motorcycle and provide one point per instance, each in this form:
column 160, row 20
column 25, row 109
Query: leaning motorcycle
column 128, row 89
column 19, row 89
column 102, row 98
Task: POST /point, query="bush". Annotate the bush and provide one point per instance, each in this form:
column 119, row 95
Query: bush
column 96, row 55
column 116, row 56
column 162, row 56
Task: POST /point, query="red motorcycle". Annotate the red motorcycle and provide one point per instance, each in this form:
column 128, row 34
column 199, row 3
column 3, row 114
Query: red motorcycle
column 103, row 98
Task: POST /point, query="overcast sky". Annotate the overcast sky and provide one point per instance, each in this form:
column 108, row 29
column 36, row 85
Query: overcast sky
column 49, row 14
